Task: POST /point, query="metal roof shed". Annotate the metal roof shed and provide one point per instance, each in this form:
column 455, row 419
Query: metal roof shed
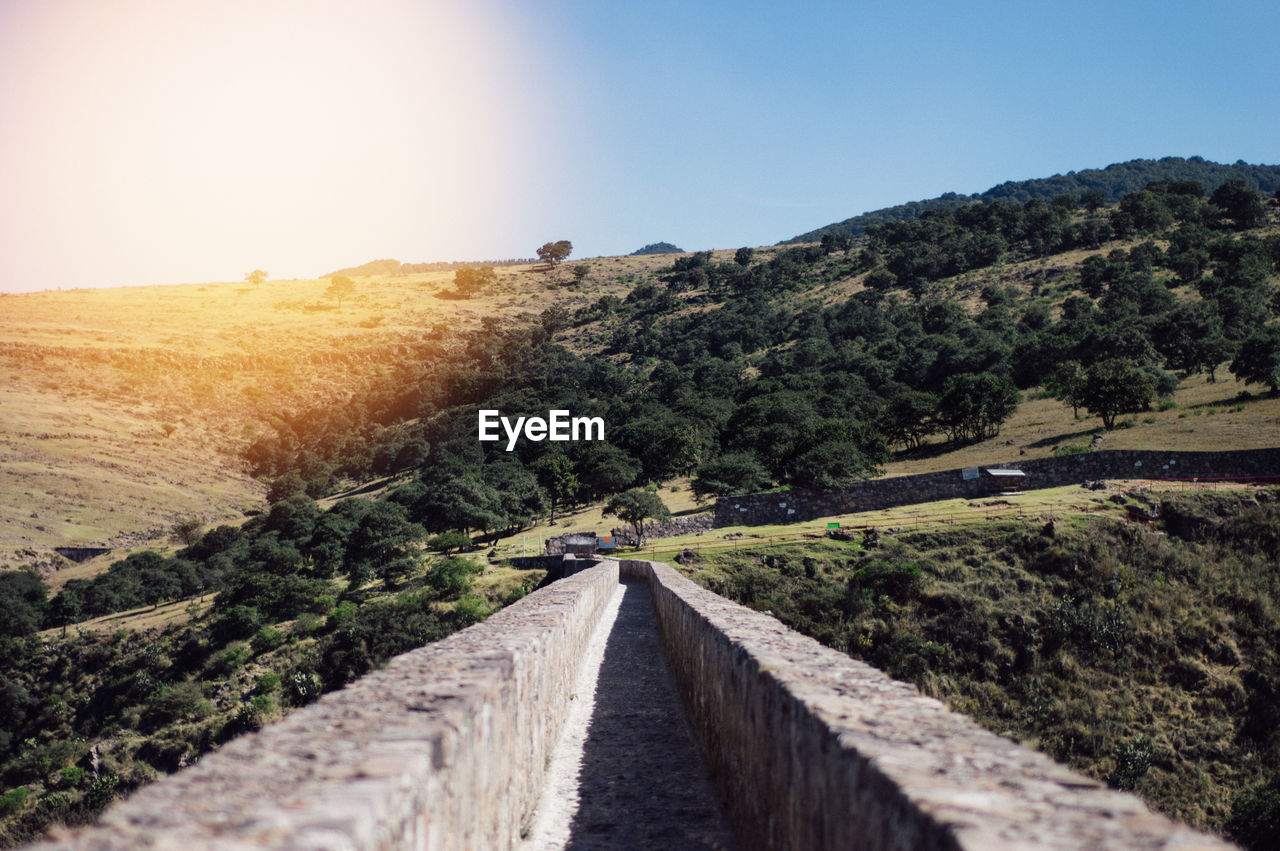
column 1005, row 481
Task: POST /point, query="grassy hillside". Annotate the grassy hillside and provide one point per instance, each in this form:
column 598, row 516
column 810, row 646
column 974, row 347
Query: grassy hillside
column 1144, row 657
column 125, row 410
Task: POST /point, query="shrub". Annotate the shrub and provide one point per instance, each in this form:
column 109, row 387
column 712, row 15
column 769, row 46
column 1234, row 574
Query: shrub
column 183, row 701
column 306, row 624
column 343, row 613
column 101, row 791
column 231, row 659
column 72, row 776
column 266, row 639
column 471, row 608
column 1086, row 627
column 1255, row 818
column 266, row 683
column 303, row 687
column 12, row 800
column 237, row 622
column 1133, row 758
column 897, row 581
column 451, row 577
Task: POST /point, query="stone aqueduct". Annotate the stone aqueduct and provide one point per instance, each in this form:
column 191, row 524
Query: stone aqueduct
column 446, row 747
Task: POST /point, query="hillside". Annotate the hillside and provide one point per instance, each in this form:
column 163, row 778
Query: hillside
column 867, row 356
column 126, row 410
column 1144, row 657
column 1110, row 183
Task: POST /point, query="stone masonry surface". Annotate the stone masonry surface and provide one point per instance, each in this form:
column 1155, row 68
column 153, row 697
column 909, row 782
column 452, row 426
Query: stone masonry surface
column 792, row 506
column 813, row 749
column 444, row 748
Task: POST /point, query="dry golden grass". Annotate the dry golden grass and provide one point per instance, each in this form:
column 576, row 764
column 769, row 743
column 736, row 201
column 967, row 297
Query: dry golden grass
column 147, row 617
column 124, row 410
column 1204, row 419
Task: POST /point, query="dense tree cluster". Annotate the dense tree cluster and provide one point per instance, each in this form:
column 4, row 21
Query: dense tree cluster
column 657, row 248
column 1092, row 187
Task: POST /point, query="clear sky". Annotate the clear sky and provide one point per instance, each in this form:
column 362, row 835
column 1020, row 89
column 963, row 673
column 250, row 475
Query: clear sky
column 152, row 141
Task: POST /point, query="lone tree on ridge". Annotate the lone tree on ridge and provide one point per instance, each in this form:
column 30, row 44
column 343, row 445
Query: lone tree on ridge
column 340, row 287
column 555, row 253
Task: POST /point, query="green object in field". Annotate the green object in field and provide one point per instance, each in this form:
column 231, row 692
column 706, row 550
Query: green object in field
column 833, row 525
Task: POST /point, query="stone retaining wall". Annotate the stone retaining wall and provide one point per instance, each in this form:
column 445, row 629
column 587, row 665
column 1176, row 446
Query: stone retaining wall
column 815, row 750
column 690, row 525
column 626, row 536
column 445, row 748
column 791, row 506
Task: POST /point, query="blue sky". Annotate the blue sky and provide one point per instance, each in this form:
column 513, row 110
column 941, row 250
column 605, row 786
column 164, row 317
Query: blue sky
column 145, row 142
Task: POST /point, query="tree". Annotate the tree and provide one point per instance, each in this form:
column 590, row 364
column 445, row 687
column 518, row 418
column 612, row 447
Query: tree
column 555, row 253
column 472, row 279
column 580, row 272
column 743, row 256
column 974, row 405
column 1191, row 339
column 635, row 507
column 381, row 538
column 1239, row 202
column 730, row 474
column 908, row 417
column 606, row 469
column 555, row 474
column 831, row 466
column 1259, row 358
column 446, row 541
column 1067, row 385
column 1115, row 386
column 186, row 531
column 22, row 602
column 256, row 277
column 340, row 287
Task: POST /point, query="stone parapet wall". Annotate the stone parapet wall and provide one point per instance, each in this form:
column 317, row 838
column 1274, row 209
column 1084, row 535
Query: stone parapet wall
column 812, row 749
column 445, row 748
column 795, row 505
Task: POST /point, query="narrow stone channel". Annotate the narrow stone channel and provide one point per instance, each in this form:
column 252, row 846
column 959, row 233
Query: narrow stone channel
column 626, row 772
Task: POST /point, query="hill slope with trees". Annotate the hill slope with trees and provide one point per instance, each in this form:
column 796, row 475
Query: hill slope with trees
column 1101, row 186
column 806, row 366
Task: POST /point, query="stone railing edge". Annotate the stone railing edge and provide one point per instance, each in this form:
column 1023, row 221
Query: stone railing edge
column 813, row 749
column 387, row 761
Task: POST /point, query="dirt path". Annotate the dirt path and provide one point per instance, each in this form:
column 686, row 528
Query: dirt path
column 626, row 772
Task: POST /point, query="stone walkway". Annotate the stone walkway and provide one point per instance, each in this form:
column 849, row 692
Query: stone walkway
column 626, row 772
